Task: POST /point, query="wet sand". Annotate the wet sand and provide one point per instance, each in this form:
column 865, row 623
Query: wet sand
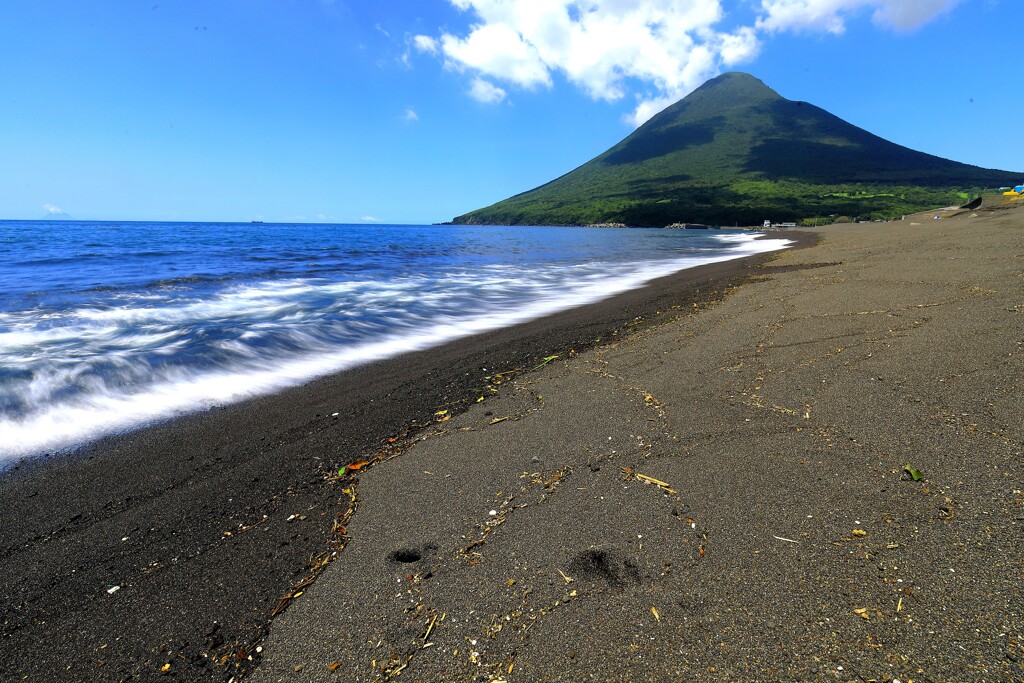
column 167, row 551
column 818, row 478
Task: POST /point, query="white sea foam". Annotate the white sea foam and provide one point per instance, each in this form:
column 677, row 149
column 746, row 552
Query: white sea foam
column 54, row 422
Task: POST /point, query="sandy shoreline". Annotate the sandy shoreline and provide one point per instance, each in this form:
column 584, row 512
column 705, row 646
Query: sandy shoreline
column 174, row 544
column 709, row 496
column 722, row 496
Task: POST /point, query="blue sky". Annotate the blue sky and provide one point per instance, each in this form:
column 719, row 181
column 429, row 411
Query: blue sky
column 416, row 111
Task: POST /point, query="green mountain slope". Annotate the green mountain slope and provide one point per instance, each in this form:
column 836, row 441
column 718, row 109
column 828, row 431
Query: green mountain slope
column 735, row 151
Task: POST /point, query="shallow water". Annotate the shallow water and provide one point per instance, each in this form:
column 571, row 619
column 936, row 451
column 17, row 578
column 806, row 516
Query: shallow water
column 106, row 326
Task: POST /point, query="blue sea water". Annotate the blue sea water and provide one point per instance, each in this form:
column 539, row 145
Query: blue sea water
column 106, row 326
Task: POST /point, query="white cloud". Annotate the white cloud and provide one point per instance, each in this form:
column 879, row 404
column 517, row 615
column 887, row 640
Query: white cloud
column 831, row 15
column 602, row 46
column 369, row 219
column 410, row 115
column 648, row 108
column 906, row 15
column 425, row 44
column 486, row 92
column 50, row 208
column 497, row 50
column 739, row 47
column 662, row 49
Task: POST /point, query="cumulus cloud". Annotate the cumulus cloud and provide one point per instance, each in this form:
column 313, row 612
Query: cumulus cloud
column 657, row 50
column 831, row 15
column 601, row 46
column 410, row 114
column 486, row 92
column 497, row 50
column 370, row 219
column 50, row 208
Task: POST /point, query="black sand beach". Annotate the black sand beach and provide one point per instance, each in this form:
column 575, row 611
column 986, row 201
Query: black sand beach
column 819, row 478
column 166, row 551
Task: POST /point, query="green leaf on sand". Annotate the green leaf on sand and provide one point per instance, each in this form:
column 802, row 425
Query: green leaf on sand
column 914, row 474
column 547, row 359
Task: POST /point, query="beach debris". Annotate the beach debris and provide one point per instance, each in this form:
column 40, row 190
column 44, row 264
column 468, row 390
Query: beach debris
column 568, row 579
column 497, row 517
column 500, row 419
column 113, row 589
column 430, row 627
column 165, row 668
column 859, row 533
column 664, row 486
column 337, row 540
column 296, row 592
column 862, row 612
column 787, row 540
column 654, row 611
column 651, row 401
column 353, row 467
column 550, row 482
column 334, row 666
column 899, row 605
column 915, row 475
column 547, row 359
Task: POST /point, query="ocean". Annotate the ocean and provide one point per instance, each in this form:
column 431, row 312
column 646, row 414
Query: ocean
column 108, row 326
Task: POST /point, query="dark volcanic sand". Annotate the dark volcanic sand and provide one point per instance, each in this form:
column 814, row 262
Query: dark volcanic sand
column 189, row 520
column 520, row 541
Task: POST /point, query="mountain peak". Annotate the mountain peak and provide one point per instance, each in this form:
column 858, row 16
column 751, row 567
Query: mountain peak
column 728, row 91
column 739, row 83
column 735, row 151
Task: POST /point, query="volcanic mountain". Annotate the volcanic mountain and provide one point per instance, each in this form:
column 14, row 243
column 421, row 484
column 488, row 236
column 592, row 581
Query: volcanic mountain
column 734, row 151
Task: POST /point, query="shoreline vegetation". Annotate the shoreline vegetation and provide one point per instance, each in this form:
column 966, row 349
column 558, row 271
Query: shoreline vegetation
column 802, row 465
column 965, row 201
